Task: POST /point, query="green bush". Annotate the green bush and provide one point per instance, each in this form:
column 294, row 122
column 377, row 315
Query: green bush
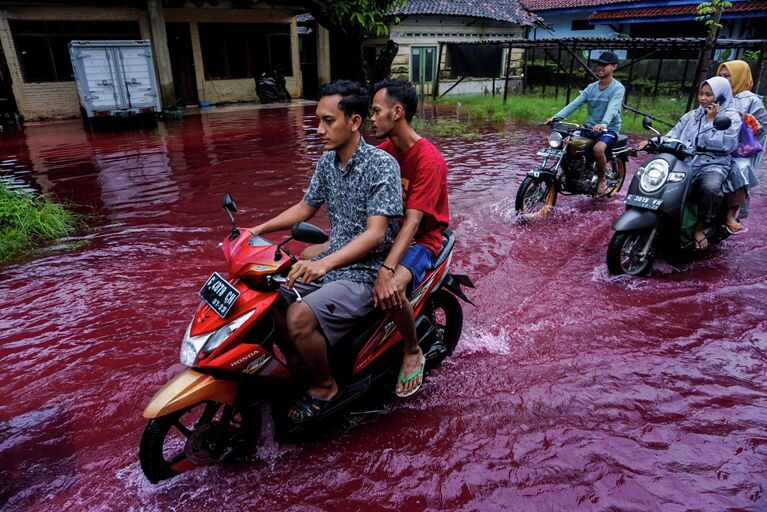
column 28, row 220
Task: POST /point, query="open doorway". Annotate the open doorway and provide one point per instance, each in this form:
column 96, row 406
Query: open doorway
column 182, row 63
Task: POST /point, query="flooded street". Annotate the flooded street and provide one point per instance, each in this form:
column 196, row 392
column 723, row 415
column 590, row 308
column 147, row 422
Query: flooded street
column 570, row 389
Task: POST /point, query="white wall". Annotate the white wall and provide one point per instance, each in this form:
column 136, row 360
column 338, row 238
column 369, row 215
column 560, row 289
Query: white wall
column 562, row 28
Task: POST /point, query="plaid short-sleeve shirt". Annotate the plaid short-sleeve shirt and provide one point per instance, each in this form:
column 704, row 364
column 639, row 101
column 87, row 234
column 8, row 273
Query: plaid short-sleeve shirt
column 369, row 186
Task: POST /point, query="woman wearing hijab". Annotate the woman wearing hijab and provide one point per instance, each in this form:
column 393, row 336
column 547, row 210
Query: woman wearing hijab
column 696, row 129
column 742, row 176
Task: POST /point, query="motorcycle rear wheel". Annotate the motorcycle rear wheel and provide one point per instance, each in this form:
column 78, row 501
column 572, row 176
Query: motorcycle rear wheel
column 446, row 313
column 535, row 197
column 616, row 175
column 623, row 253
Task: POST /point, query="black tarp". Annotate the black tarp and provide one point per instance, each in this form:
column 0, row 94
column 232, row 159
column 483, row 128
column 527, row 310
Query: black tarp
column 475, row 60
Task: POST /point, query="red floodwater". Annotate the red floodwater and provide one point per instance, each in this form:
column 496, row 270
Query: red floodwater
column 570, row 389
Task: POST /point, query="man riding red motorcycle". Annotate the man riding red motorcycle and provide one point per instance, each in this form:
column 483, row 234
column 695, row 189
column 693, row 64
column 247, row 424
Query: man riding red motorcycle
column 360, row 186
column 234, row 347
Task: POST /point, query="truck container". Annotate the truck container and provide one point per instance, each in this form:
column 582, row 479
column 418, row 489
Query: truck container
column 115, row 80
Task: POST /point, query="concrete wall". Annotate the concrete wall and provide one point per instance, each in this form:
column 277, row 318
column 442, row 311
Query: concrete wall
column 57, row 100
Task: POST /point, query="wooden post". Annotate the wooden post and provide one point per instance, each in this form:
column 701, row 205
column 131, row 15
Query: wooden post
column 759, row 66
column 629, row 87
column 435, row 91
column 524, row 77
column 506, row 77
column 556, row 75
column 570, row 83
column 694, row 88
column 657, row 77
column 684, row 74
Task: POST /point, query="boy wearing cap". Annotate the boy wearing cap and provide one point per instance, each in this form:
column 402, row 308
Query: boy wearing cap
column 605, row 101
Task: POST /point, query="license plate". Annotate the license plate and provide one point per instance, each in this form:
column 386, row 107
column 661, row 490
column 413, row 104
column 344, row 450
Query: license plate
column 219, row 294
column 556, row 153
column 643, row 202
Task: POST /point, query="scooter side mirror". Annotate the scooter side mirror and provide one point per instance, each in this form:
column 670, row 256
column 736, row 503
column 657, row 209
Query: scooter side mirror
column 307, row 233
column 722, row 123
column 646, row 122
column 229, row 203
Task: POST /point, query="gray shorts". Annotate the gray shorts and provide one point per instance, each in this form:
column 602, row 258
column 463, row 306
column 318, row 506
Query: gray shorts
column 337, row 305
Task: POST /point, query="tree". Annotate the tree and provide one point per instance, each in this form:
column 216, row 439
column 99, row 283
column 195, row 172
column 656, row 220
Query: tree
column 354, row 21
column 711, row 14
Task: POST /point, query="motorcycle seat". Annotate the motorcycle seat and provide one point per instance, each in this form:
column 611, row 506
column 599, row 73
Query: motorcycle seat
column 344, row 352
column 620, row 146
column 623, row 141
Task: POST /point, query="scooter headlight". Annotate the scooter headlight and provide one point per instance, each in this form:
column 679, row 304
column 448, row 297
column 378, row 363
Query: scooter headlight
column 224, row 332
column 191, row 346
column 654, row 176
column 555, row 140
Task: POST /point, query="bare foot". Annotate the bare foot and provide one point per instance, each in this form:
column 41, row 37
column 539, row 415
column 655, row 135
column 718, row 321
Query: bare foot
column 411, row 364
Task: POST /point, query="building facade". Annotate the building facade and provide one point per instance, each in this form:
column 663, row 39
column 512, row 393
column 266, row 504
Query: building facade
column 203, row 55
column 425, row 25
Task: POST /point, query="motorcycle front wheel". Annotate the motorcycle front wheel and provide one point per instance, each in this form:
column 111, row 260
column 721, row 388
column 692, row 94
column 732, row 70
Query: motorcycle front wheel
column 535, row 197
column 204, row 433
column 624, row 253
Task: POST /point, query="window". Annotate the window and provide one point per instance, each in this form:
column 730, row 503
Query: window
column 581, row 25
column 42, row 45
column 245, row 50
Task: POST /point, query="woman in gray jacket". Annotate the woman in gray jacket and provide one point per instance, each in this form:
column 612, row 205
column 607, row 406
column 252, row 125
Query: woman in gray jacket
column 695, row 129
column 742, row 176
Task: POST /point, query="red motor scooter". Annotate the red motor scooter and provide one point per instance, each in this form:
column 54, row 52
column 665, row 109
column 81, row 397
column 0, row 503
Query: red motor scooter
column 211, row 411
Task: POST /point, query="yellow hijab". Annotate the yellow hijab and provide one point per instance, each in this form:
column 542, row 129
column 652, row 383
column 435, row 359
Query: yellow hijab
column 740, row 75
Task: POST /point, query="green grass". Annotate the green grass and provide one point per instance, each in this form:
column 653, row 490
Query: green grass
column 536, row 108
column 445, row 127
column 29, row 221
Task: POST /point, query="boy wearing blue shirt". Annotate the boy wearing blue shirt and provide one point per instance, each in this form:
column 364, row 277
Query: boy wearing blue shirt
column 605, row 101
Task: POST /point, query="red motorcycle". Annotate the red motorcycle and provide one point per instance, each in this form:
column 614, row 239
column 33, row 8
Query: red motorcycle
column 211, row 411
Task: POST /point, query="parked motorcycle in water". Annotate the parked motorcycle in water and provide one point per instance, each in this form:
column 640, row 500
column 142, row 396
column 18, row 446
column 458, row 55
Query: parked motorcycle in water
column 272, row 89
column 660, row 216
column 211, row 411
column 569, row 168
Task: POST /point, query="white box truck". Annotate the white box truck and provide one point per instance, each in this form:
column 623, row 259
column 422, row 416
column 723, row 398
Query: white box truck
column 115, row 79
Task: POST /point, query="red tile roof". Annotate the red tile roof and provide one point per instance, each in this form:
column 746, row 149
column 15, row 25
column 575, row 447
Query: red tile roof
column 670, row 12
column 550, row 5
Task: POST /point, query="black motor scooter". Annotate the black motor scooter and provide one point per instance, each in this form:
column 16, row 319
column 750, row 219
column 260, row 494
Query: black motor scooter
column 271, row 89
column 660, row 216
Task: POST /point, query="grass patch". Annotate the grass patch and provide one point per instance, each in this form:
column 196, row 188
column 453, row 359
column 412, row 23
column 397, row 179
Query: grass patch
column 445, row 127
column 28, row 221
column 535, row 108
